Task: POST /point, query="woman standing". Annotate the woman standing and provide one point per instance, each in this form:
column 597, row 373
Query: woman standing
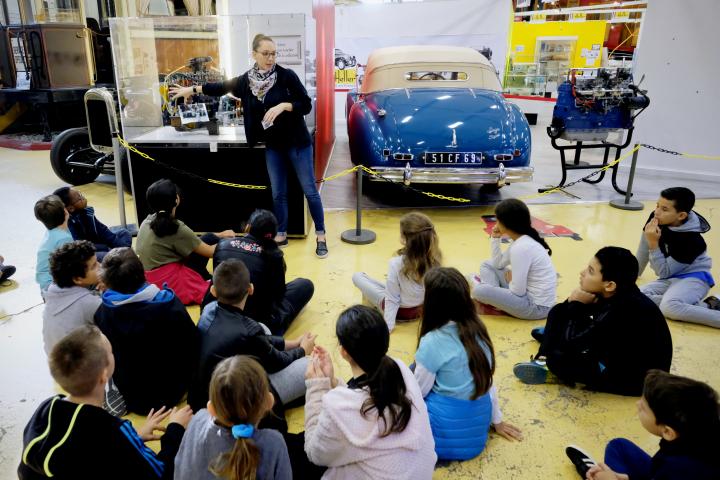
column 274, row 104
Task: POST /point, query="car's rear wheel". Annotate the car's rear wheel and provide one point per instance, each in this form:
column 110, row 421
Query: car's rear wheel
column 72, row 159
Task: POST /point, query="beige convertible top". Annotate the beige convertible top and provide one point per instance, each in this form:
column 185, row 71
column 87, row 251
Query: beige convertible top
column 390, row 67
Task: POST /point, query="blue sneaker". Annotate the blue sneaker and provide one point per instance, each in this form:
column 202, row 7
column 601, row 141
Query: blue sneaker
column 533, row 372
column 538, row 333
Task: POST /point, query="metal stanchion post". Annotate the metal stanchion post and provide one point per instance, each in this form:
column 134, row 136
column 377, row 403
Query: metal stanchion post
column 627, row 203
column 358, row 236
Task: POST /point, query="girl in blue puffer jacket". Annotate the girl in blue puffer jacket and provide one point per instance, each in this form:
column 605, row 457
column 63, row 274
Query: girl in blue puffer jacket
column 455, row 362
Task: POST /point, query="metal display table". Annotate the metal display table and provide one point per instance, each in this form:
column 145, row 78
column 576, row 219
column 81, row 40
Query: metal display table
column 191, row 158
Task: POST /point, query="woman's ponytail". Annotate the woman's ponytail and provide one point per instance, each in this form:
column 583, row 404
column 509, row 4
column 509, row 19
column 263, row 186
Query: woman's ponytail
column 240, row 463
column 515, row 216
column 364, row 335
column 162, row 197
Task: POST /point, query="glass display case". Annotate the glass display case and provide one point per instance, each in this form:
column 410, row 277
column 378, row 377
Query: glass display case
column 153, row 54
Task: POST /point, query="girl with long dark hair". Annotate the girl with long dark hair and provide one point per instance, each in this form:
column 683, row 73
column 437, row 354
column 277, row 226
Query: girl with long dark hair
column 170, row 252
column 455, row 363
column 401, row 297
column 273, row 302
column 223, row 441
column 375, row 426
column 522, row 280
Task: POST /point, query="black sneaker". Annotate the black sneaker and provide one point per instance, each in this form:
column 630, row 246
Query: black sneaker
column 538, row 333
column 321, row 251
column 582, row 461
column 114, row 402
column 713, row 302
column 6, row 271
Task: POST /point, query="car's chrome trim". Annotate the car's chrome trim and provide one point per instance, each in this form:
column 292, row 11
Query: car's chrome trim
column 456, row 175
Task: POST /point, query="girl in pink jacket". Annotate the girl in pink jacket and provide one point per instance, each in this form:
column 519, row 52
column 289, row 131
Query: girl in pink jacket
column 376, row 426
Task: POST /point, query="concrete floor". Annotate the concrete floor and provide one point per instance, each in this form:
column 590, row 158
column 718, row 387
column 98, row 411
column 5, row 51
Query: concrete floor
column 551, row 416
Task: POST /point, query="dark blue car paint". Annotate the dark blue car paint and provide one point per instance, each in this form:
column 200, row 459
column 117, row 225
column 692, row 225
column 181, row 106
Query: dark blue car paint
column 420, row 120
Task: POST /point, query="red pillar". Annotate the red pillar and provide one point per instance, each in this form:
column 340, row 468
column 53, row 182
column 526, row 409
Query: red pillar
column 324, row 14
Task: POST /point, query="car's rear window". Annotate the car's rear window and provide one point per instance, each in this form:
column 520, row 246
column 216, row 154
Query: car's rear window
column 438, row 76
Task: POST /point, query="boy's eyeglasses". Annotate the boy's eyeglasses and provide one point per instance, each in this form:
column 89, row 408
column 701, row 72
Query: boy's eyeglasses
column 268, row 54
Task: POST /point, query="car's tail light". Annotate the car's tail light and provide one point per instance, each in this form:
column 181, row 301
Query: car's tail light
column 516, row 153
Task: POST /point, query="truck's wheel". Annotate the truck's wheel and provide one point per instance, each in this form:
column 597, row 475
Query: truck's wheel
column 75, row 142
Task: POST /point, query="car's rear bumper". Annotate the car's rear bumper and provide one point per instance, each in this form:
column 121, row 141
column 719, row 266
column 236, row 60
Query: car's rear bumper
column 496, row 175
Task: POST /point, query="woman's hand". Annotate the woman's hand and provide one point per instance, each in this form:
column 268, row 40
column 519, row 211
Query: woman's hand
column 152, row 424
column 185, row 92
column 273, row 112
column 495, row 233
column 507, row 431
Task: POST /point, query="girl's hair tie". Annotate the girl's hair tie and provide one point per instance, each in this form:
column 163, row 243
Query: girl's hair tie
column 161, row 211
column 243, row 430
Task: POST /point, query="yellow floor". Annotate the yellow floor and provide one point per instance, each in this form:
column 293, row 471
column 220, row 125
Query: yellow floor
column 551, row 416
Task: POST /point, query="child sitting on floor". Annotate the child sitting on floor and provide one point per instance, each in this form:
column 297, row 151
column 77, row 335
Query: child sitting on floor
column 273, row 302
column 170, row 252
column 401, row 298
column 673, row 245
column 84, row 225
column 226, row 331
column 51, row 212
column 152, row 335
column 69, row 302
column 74, row 438
column 455, row 363
column 377, row 425
column 606, row 335
column 522, row 280
column 684, row 414
column 6, row 271
column 224, row 440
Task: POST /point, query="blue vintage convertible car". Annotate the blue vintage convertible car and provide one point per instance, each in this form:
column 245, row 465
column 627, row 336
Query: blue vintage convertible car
column 436, row 114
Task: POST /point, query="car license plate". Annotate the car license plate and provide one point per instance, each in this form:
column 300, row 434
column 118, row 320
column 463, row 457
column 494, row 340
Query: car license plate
column 453, row 157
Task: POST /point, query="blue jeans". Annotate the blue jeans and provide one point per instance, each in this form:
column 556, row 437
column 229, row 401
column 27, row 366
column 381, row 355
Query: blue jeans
column 623, row 456
column 278, row 164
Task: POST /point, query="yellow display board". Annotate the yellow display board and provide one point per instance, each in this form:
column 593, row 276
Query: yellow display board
column 588, row 35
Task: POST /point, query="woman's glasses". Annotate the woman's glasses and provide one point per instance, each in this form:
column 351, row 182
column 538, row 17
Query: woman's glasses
column 268, row 54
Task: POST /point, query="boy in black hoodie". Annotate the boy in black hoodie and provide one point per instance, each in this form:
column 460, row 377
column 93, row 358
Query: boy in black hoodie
column 74, row 438
column 684, row 414
column 153, row 337
column 606, row 335
column 672, row 243
column 84, row 225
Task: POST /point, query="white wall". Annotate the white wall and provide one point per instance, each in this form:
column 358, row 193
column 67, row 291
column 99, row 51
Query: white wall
column 678, row 53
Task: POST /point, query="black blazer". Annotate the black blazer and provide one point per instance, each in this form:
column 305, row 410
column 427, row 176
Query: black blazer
column 289, row 129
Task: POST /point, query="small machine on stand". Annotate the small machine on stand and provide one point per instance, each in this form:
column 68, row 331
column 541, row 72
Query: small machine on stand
column 593, row 103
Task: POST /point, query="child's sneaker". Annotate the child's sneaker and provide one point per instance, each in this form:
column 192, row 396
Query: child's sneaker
column 538, row 333
column 713, row 302
column 534, row 372
column 582, row 461
column 114, row 402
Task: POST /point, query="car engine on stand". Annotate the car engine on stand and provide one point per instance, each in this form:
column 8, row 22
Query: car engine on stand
column 593, row 102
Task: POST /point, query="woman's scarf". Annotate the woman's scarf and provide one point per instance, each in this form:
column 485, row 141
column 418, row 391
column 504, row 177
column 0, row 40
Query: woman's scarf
column 261, row 82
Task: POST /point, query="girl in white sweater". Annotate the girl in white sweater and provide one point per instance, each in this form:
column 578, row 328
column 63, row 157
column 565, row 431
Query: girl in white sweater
column 376, row 426
column 401, row 298
column 522, row 280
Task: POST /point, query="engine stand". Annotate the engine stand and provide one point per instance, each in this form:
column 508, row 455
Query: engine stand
column 576, row 164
